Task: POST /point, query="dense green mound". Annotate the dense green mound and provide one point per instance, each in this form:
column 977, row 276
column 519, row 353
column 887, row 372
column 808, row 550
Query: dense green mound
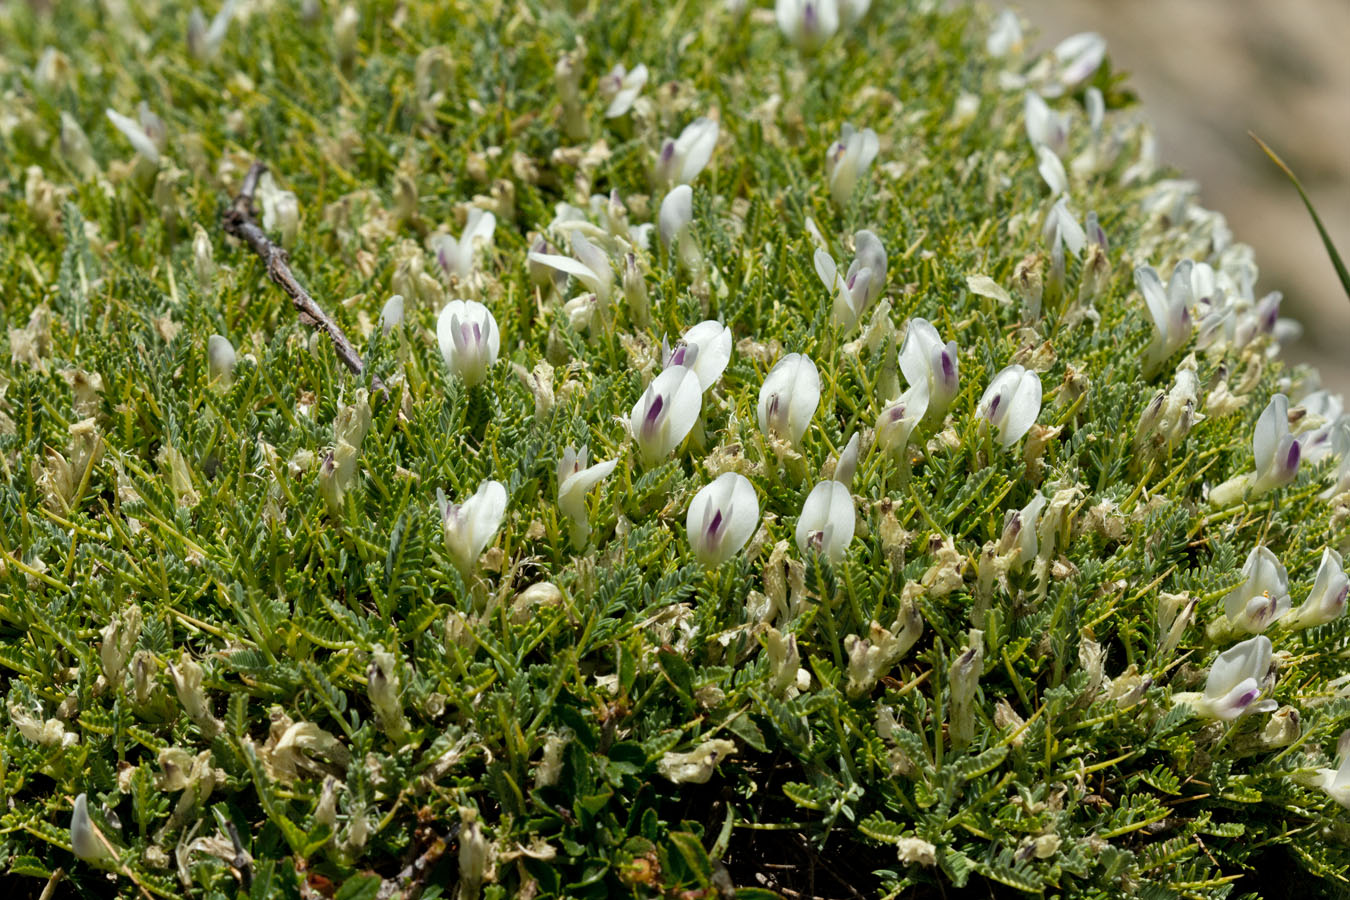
column 966, row 565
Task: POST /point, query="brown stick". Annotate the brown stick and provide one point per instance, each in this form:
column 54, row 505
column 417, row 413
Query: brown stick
column 239, row 221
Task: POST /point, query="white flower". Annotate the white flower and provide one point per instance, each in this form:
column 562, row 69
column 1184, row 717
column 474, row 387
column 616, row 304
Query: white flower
column 1079, row 55
column 220, row 360
column 722, row 517
column 848, row 160
column 900, row 417
column 135, row 135
column 1019, row 538
column 621, row 87
column 1052, row 170
column 575, row 481
column 1323, row 414
column 925, row 360
column 1011, row 403
column 1263, row 595
column 1044, row 125
column 1326, row 600
column 470, row 526
column 457, row 256
column 1336, row 782
column 1276, row 450
column 789, row 397
column 1170, row 311
column 86, row 840
column 591, row 266
column 677, row 212
column 1096, row 109
column 469, row 340
column 1235, row 678
column 705, row 348
column 827, row 520
column 666, row 412
column 1062, row 230
column 865, row 280
column 204, row 41
column 807, row 23
column 1005, row 36
column 682, row 158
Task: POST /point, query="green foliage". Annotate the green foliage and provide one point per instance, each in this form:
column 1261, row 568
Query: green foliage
column 606, row 717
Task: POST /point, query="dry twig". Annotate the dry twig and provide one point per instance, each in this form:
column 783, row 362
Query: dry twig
column 239, row 221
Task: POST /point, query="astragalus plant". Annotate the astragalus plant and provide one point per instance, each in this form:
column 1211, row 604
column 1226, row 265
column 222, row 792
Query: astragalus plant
column 726, row 450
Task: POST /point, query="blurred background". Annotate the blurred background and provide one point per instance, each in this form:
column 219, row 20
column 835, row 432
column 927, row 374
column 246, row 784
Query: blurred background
column 1209, row 71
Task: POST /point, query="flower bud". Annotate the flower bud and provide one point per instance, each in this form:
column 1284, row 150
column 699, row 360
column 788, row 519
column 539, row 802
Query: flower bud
column 575, row 481
column 469, row 340
column 722, row 517
column 76, row 150
column 86, row 840
column 220, row 361
column 827, row 521
column 391, row 314
column 807, row 23
column 847, row 463
column 187, row 684
column 848, row 160
column 635, row 292
column 1169, row 310
column 135, row 135
column 203, row 262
